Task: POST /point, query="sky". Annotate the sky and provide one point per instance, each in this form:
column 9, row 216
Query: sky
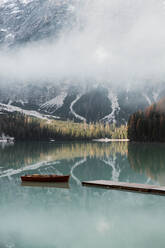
column 112, row 41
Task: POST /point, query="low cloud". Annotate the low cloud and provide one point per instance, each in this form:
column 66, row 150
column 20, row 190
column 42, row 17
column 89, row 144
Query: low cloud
column 113, row 41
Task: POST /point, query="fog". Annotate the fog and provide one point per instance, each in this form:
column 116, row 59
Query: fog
column 112, row 41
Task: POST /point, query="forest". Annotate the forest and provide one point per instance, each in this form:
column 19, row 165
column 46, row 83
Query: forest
column 148, row 125
column 23, row 127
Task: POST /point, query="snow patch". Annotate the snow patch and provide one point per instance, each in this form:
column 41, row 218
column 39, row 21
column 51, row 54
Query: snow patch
column 26, row 1
column 155, row 95
column 115, row 108
column 3, row 30
column 11, row 4
column 10, row 102
column 22, row 102
column 55, row 103
column 147, row 99
column 73, row 112
column 9, row 37
column 11, row 109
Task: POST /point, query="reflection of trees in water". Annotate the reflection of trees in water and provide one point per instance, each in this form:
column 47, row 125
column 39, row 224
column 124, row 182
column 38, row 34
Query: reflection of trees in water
column 25, row 153
column 22, row 153
column 148, row 159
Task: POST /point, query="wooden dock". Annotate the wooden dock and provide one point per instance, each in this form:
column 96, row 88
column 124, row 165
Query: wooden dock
column 139, row 188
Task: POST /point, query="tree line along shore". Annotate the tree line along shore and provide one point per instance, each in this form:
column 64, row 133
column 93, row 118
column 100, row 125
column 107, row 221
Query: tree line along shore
column 148, row 125
column 143, row 126
column 24, row 127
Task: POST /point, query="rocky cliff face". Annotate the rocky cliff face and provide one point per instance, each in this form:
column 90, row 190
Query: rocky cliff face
column 27, row 20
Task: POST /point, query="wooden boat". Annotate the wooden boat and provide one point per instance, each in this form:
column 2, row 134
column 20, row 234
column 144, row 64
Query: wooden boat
column 45, row 178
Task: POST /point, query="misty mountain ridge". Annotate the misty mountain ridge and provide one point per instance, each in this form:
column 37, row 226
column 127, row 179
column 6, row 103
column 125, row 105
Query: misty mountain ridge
column 56, row 59
column 79, row 104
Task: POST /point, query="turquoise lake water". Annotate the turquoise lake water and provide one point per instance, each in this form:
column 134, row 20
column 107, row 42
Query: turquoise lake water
column 80, row 217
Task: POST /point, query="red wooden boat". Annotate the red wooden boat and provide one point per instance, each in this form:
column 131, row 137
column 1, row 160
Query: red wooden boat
column 45, row 178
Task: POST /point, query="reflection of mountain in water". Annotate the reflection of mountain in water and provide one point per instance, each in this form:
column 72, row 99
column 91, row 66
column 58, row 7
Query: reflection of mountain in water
column 148, row 159
column 83, row 161
column 27, row 153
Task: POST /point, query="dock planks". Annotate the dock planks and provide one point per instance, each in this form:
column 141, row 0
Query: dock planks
column 139, row 188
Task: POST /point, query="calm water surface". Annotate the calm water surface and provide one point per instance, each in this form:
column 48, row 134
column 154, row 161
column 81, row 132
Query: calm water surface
column 80, row 217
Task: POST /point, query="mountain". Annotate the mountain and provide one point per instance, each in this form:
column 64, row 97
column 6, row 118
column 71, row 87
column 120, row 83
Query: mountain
column 26, row 21
column 71, row 102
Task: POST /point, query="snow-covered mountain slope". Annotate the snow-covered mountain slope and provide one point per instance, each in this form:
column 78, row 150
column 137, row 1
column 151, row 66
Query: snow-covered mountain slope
column 27, row 20
column 115, row 108
column 94, row 104
column 55, row 103
column 7, row 108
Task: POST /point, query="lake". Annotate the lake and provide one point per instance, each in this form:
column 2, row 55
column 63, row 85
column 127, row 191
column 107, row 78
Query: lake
column 80, row 217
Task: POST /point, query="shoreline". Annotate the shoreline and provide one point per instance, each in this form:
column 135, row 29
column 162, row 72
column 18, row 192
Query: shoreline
column 110, row 140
